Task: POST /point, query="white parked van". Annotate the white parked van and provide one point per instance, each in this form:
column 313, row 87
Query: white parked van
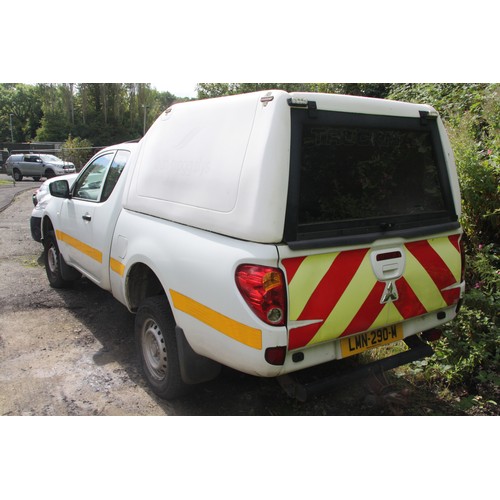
column 269, row 232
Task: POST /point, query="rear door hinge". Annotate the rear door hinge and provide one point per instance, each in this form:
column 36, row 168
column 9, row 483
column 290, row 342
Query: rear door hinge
column 299, row 102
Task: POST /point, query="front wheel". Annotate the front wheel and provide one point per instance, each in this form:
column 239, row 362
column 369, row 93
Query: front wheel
column 52, row 259
column 157, row 346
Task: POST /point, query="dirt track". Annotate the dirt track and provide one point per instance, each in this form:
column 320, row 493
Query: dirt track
column 71, row 352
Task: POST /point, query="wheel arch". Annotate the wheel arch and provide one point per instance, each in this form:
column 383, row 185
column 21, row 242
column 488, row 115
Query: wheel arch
column 142, row 282
column 142, row 285
column 46, row 226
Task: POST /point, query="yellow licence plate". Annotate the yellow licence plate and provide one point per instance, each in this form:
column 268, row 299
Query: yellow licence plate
column 367, row 340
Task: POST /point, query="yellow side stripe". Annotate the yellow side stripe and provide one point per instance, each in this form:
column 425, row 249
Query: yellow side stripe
column 116, row 266
column 247, row 335
column 93, row 253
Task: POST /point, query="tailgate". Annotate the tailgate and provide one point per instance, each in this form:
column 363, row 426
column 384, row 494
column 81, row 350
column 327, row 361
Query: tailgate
column 339, row 293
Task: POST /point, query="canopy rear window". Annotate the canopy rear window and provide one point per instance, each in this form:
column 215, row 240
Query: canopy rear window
column 356, row 177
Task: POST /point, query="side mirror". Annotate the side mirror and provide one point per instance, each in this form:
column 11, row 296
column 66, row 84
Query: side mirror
column 60, row 189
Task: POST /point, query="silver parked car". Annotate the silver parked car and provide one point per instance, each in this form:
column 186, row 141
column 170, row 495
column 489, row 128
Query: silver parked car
column 37, row 166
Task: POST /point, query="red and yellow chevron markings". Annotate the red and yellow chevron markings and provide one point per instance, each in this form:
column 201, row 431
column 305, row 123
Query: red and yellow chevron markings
column 337, row 294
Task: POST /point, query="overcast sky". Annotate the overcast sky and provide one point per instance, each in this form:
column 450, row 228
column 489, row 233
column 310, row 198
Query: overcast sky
column 179, row 89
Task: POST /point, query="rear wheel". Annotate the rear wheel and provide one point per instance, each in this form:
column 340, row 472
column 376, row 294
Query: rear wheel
column 18, row 176
column 52, row 258
column 157, row 346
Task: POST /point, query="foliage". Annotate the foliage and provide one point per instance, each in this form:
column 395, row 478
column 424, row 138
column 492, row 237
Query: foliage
column 103, row 113
column 22, row 102
column 53, row 127
column 472, row 117
column 469, row 353
column 207, row 90
column 450, row 99
column 78, row 151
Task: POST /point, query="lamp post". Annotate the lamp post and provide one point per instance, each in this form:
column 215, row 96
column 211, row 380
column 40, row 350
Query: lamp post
column 11, row 132
column 144, row 124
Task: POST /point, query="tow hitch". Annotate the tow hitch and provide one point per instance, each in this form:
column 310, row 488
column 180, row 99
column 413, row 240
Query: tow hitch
column 418, row 349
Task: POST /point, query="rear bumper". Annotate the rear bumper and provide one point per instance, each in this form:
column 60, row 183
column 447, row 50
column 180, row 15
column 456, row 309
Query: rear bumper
column 418, row 349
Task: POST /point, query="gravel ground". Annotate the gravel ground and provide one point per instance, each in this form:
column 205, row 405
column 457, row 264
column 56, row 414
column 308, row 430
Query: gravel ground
column 71, row 352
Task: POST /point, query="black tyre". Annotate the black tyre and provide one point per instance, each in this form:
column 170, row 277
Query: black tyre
column 36, row 178
column 52, row 258
column 18, row 176
column 49, row 174
column 157, row 347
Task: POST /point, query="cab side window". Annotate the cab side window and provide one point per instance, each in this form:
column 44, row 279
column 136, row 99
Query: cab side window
column 89, row 185
column 114, row 173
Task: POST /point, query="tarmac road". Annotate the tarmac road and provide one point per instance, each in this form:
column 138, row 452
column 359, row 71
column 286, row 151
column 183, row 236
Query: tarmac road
column 10, row 190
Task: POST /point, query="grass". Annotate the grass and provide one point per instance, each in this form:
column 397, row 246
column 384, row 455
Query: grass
column 418, row 389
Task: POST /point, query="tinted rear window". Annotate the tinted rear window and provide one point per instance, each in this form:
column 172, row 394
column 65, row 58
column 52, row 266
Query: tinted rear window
column 365, row 175
column 355, row 173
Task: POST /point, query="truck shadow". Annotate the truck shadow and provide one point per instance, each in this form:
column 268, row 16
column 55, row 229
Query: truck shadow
column 234, row 393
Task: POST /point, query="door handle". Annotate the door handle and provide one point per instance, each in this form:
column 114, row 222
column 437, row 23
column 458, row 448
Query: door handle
column 86, row 217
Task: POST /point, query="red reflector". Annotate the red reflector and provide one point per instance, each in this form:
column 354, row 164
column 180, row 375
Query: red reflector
column 388, row 255
column 275, row 355
column 263, row 289
column 432, row 335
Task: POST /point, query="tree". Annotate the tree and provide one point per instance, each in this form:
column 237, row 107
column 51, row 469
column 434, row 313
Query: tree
column 23, row 103
column 207, row 90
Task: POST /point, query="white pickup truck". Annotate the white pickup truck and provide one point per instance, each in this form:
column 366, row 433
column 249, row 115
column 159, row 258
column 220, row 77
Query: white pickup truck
column 269, row 232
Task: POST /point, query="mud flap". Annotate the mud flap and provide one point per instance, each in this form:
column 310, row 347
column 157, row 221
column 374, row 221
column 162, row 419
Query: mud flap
column 418, row 349
column 194, row 368
column 68, row 273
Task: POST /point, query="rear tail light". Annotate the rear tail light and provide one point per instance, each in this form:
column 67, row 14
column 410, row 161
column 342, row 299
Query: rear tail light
column 263, row 289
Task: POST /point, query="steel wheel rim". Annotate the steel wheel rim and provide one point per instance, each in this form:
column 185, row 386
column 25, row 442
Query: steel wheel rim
column 154, row 349
column 52, row 259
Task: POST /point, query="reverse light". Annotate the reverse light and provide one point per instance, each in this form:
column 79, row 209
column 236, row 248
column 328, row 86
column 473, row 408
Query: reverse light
column 263, row 289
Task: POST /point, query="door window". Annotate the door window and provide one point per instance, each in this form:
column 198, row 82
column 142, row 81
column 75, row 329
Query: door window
column 100, row 177
column 114, row 173
column 89, row 184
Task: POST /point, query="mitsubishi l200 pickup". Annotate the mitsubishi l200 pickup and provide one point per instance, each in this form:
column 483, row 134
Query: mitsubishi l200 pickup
column 269, row 232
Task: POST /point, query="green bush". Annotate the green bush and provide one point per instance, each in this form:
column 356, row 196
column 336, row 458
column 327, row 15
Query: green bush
column 469, row 352
column 78, row 151
column 468, row 355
